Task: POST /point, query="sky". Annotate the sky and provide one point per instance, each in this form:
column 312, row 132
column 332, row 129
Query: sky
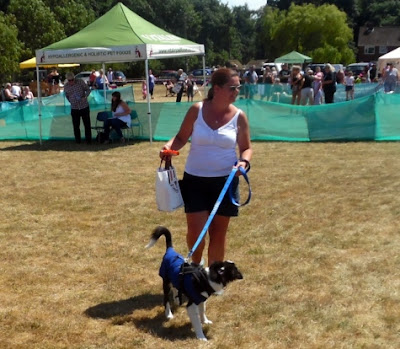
column 252, row 4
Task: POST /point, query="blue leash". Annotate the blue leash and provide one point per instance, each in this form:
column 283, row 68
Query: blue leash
column 218, row 202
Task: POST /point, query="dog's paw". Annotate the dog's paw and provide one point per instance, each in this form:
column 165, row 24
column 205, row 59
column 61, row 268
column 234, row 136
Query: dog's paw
column 205, row 321
column 168, row 312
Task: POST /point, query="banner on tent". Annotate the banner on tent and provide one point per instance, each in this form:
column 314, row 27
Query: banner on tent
column 120, row 53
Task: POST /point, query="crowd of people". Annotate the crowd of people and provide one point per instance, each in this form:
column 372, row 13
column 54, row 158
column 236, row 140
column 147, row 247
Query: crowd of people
column 15, row 93
column 310, row 87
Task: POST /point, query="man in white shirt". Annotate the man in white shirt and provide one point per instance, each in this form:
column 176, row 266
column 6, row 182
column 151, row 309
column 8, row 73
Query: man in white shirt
column 16, row 90
column 250, row 80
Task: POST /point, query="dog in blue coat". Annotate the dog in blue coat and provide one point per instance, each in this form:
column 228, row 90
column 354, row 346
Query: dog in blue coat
column 192, row 280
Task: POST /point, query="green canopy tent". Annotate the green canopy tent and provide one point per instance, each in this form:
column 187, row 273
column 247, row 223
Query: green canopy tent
column 120, row 35
column 293, row 58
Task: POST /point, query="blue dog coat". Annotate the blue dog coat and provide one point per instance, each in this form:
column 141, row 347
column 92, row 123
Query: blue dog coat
column 192, row 284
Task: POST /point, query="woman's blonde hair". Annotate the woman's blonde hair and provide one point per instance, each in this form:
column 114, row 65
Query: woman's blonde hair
column 330, row 67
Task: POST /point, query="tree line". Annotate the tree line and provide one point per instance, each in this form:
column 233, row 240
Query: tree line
column 325, row 30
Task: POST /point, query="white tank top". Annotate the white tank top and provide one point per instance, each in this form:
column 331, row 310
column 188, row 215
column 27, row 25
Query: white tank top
column 212, row 152
column 124, row 118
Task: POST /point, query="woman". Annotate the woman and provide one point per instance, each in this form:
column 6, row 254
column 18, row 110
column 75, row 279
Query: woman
column 27, row 94
column 329, row 83
column 317, row 86
column 295, row 81
column 121, row 117
column 216, row 127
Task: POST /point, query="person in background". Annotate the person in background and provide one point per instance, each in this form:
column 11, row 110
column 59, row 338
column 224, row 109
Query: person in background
column 329, row 83
column 306, row 90
column 250, row 82
column 189, row 87
column 216, row 128
column 284, row 74
column 102, row 81
column 144, row 89
column 8, row 95
column 366, row 74
column 349, row 85
column 27, row 94
column 372, row 73
column 55, row 82
column 121, row 116
column 317, row 86
column 152, row 82
column 92, row 79
column 296, row 79
column 77, row 91
column 16, row 90
column 169, row 85
column 390, row 77
column 110, row 75
column 277, row 90
column 180, row 81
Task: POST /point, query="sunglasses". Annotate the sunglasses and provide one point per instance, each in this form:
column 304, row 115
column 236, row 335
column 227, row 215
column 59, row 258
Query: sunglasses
column 70, row 80
column 235, row 87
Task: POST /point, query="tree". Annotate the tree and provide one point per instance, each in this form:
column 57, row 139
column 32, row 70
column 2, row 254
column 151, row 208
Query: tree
column 319, row 32
column 10, row 47
column 43, row 28
column 71, row 15
column 379, row 12
column 243, row 40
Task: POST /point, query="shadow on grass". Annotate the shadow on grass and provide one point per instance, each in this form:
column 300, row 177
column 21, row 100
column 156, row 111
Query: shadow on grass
column 67, row 146
column 122, row 312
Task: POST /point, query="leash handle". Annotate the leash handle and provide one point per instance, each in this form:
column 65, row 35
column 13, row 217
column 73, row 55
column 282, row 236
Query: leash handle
column 244, row 174
column 169, row 152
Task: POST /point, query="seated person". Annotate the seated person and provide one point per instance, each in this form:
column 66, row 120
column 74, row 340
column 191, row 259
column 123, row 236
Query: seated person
column 121, row 117
column 169, row 85
column 27, row 94
column 8, row 95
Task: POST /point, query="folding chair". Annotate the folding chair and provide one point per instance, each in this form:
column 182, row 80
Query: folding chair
column 135, row 122
column 101, row 117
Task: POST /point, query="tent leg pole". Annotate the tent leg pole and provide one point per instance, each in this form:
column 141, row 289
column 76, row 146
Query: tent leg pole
column 146, row 67
column 104, row 86
column 204, row 73
column 39, row 97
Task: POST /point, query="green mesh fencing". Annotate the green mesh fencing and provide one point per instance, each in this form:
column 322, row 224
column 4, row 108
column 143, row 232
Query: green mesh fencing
column 371, row 116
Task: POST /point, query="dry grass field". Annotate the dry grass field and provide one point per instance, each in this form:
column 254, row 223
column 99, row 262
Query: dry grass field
column 318, row 246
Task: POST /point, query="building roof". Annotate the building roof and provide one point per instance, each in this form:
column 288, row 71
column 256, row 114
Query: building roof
column 379, row 36
column 257, row 62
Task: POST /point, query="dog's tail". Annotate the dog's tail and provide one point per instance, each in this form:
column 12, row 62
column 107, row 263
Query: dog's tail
column 157, row 234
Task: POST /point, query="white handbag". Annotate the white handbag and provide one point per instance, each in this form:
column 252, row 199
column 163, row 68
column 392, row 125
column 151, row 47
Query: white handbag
column 168, row 193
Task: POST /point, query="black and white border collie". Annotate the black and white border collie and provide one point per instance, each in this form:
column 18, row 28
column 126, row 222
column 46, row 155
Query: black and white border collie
column 192, row 280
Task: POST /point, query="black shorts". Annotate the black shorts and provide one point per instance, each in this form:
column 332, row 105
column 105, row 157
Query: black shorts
column 201, row 194
column 349, row 88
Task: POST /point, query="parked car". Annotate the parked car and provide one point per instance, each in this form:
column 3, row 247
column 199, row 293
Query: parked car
column 166, row 75
column 277, row 66
column 357, row 68
column 119, row 78
column 198, row 75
